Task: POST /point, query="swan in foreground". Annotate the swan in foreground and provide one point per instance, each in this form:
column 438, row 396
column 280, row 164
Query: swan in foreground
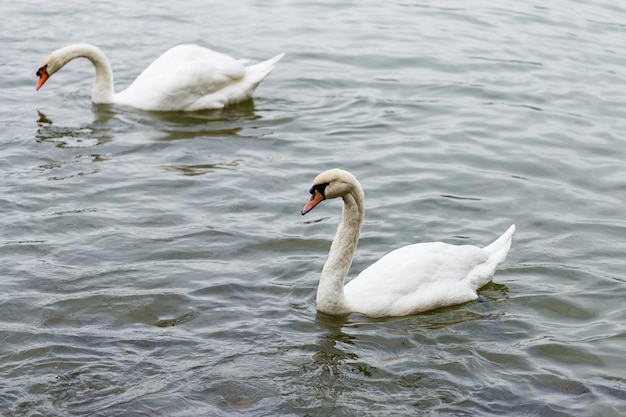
column 184, row 78
column 408, row 280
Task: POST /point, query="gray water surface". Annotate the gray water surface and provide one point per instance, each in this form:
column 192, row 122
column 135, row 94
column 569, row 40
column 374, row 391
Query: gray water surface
column 157, row 264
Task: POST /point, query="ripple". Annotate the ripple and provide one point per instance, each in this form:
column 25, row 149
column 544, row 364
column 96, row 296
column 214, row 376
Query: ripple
column 157, row 263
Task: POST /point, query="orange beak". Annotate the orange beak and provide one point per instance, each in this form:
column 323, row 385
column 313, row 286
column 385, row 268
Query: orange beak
column 316, row 198
column 43, row 76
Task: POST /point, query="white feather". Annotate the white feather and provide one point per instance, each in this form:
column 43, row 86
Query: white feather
column 412, row 279
column 184, row 78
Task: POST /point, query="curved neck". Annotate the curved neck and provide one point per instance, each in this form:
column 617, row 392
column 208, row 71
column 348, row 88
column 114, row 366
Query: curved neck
column 330, row 295
column 103, row 90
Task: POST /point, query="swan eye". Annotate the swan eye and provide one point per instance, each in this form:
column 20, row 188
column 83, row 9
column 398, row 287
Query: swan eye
column 42, row 70
column 320, row 188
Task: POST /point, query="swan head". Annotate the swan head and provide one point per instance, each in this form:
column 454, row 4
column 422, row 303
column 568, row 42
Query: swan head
column 331, row 184
column 60, row 57
column 48, row 66
column 43, row 75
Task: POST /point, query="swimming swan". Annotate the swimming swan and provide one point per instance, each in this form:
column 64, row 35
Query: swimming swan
column 184, row 78
column 409, row 280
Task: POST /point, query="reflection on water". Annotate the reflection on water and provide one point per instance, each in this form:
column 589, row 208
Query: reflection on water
column 201, row 169
column 68, row 137
column 43, row 119
column 238, row 120
column 234, row 121
column 235, row 113
column 329, row 354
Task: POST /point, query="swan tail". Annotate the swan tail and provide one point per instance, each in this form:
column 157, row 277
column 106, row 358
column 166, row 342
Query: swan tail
column 257, row 72
column 497, row 251
column 500, row 247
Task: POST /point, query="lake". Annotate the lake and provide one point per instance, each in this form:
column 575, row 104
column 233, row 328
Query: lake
column 156, row 264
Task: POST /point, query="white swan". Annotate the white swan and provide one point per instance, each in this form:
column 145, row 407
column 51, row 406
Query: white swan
column 184, row 78
column 408, row 280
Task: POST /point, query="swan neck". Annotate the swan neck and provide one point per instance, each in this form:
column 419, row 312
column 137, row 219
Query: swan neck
column 330, row 294
column 103, row 90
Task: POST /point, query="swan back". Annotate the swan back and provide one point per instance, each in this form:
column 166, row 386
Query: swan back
column 190, row 77
column 172, row 60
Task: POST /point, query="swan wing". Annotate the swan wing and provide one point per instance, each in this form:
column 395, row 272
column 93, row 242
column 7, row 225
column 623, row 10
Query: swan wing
column 182, row 78
column 416, row 278
column 173, row 59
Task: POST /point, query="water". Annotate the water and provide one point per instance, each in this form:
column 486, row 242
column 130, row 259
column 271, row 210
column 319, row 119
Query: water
column 158, row 264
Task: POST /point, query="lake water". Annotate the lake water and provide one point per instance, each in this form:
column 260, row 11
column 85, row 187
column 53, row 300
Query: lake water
column 158, row 265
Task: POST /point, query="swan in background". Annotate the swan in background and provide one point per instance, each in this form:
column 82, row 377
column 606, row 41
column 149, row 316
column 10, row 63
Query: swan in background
column 408, row 280
column 184, row 78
